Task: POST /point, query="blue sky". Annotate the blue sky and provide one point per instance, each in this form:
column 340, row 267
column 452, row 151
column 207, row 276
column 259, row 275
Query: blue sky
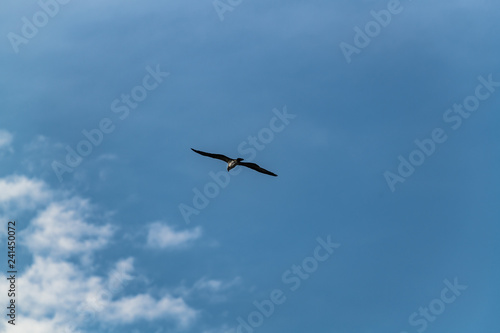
column 384, row 216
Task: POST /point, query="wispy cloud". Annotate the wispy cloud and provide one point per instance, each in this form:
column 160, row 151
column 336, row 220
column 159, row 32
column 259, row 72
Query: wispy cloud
column 6, row 140
column 223, row 329
column 122, row 272
column 213, row 290
column 125, row 309
column 38, row 153
column 215, row 285
column 161, row 235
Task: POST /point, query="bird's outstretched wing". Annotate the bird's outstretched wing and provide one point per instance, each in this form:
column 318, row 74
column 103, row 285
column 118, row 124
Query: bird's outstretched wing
column 257, row 168
column 217, row 156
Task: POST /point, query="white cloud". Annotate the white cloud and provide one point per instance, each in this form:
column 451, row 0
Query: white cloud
column 59, row 294
column 24, row 192
column 61, row 230
column 163, row 236
column 61, row 290
column 215, row 285
column 6, row 140
column 34, row 326
column 52, row 286
column 125, row 310
column 120, row 274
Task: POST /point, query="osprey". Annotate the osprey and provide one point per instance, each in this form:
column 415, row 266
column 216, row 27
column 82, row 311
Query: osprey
column 231, row 163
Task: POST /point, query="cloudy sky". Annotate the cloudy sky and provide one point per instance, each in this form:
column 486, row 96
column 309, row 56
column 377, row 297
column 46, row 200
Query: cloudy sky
column 380, row 118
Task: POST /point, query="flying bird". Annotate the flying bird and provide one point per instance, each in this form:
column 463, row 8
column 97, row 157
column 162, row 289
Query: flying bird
column 231, row 163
